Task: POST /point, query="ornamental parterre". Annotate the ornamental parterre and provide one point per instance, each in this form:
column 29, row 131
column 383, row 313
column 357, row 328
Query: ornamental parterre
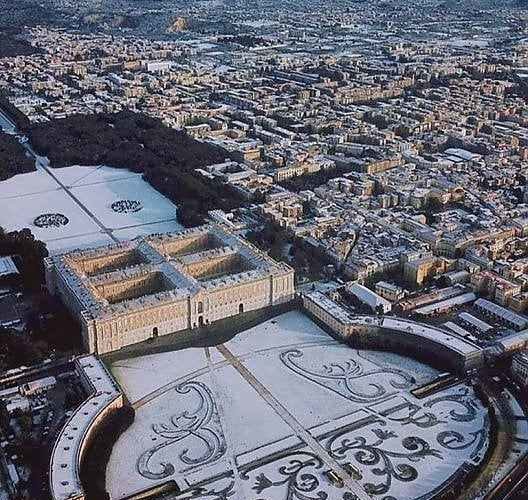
column 51, row 220
column 126, row 206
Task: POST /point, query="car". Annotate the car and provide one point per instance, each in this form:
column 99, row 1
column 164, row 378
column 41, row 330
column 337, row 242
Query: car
column 334, row 478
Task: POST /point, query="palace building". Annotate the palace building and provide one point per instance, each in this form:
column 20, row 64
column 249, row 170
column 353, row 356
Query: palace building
column 159, row 284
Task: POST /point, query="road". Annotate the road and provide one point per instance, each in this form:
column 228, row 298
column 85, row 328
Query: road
column 6, row 124
column 511, row 486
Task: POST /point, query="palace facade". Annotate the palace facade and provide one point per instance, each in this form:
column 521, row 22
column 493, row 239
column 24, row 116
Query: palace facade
column 159, row 284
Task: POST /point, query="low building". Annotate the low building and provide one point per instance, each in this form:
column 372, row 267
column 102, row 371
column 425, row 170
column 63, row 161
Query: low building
column 514, row 342
column 446, row 305
column 105, row 397
column 519, row 368
column 229, row 171
column 502, row 314
column 456, row 277
column 423, row 341
column 474, row 323
column 376, row 303
column 389, row 291
column 424, row 299
column 9, row 273
column 38, row 386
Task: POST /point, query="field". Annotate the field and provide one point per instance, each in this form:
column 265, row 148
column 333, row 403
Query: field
column 76, row 207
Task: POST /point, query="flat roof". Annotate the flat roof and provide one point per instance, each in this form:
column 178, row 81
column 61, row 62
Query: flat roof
column 502, row 312
column 429, row 332
column 7, row 266
column 438, row 335
column 476, row 322
column 447, row 303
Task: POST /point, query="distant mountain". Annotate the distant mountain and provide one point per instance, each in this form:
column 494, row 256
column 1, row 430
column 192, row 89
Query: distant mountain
column 26, row 13
column 483, row 4
column 110, row 19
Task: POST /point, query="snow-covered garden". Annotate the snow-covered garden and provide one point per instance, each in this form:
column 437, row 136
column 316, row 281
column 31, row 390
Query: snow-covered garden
column 271, row 410
column 79, row 206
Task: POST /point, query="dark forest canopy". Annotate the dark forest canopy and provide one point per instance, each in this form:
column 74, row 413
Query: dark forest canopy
column 167, row 157
column 13, row 159
column 11, row 45
column 31, row 253
column 122, row 140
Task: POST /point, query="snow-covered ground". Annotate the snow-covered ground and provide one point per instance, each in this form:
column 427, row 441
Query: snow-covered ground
column 26, row 184
column 86, row 196
column 280, row 404
column 141, row 376
column 21, row 212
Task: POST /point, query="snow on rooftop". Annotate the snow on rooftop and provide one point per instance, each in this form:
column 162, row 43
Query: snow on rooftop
column 64, row 466
column 179, row 281
column 394, row 323
column 7, row 266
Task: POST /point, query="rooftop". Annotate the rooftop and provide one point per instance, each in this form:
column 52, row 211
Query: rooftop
column 160, row 268
column 64, row 467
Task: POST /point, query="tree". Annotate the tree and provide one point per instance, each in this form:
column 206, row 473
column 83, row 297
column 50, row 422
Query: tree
column 31, row 252
column 167, row 157
column 13, row 159
column 17, row 349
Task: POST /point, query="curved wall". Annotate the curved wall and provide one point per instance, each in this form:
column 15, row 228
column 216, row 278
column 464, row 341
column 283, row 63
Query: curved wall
column 420, row 340
column 76, row 434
